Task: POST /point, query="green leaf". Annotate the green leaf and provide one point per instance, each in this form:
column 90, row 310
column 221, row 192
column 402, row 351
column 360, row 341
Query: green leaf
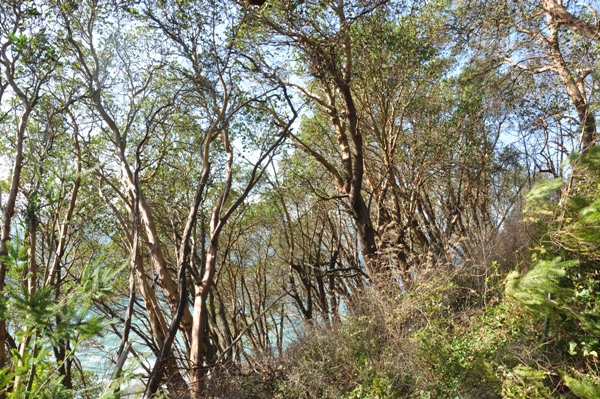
column 585, row 388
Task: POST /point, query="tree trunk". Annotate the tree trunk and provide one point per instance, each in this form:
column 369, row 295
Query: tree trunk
column 197, row 372
column 7, row 215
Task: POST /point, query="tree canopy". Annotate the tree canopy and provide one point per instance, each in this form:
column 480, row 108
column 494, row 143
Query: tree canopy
column 299, row 199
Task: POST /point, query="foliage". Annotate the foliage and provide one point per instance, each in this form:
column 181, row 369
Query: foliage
column 498, row 350
column 567, row 291
column 356, row 360
column 300, row 198
column 46, row 321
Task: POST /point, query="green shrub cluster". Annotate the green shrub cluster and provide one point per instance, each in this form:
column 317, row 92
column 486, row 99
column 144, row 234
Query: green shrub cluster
column 534, row 334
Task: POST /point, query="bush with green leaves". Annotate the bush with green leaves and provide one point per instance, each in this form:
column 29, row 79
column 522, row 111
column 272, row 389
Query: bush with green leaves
column 48, row 320
column 562, row 286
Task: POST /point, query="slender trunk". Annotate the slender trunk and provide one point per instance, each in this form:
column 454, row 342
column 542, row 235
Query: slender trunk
column 51, row 273
column 64, row 347
column 575, row 86
column 360, row 210
column 32, row 268
column 7, row 215
column 30, row 277
column 165, row 351
column 199, row 313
